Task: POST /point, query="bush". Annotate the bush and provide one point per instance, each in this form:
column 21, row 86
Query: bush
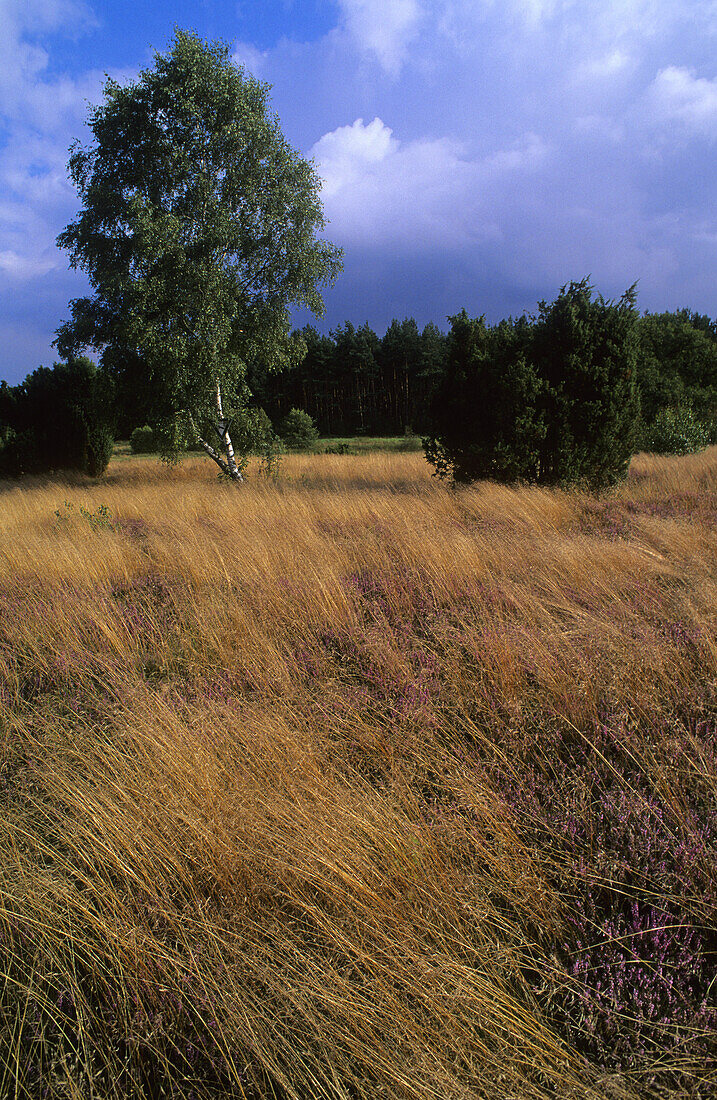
column 586, row 351
column 57, row 419
column 676, row 431
column 251, row 430
column 551, row 399
column 678, row 364
column 18, row 453
column 298, row 431
column 142, row 441
column 100, row 444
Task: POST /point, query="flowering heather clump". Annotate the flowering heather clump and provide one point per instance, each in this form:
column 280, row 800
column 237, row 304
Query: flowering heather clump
column 361, row 666
column 616, row 518
column 693, row 506
column 134, row 527
column 639, row 990
column 607, row 519
column 638, row 876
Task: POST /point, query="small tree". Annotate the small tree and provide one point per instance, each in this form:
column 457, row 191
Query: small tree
column 198, row 232
column 485, row 418
column 298, row 430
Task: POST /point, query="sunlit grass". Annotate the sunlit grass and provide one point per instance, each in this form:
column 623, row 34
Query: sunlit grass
column 352, row 785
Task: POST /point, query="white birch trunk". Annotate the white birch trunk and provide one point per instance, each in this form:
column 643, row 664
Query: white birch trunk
column 229, row 466
column 227, row 439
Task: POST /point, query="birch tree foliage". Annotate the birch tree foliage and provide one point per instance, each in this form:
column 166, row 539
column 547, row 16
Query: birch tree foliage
column 199, row 229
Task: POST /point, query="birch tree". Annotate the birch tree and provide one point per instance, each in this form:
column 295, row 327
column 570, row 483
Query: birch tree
column 200, row 228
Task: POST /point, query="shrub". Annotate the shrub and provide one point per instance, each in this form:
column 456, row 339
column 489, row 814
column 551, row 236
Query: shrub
column 551, row 399
column 298, row 430
column 57, row 419
column 678, row 363
column 142, row 441
column 100, row 444
column 339, row 449
column 252, row 432
column 18, row 453
column 676, row 431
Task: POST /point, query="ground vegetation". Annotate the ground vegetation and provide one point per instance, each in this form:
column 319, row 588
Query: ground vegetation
column 353, row 785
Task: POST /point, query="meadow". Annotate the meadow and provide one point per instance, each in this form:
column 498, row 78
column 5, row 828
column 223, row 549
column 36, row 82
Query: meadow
column 349, row 785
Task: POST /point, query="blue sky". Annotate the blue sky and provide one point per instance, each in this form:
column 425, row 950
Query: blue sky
column 475, row 153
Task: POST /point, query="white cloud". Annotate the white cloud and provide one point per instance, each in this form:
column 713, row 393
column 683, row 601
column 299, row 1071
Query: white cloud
column 538, row 11
column 588, row 38
column 600, row 128
column 427, row 192
column 528, row 154
column 345, row 154
column 25, row 93
column 37, row 199
column 46, row 15
column 706, row 232
column 678, row 96
column 642, row 16
column 604, row 65
column 377, row 190
column 41, row 115
column 383, row 28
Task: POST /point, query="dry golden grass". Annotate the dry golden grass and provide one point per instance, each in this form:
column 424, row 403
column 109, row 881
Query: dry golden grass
column 255, row 836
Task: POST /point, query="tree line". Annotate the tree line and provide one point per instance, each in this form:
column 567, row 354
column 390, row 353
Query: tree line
column 354, row 382
column 514, row 400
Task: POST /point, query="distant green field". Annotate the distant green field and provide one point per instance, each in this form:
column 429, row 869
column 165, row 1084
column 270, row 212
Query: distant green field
column 359, row 444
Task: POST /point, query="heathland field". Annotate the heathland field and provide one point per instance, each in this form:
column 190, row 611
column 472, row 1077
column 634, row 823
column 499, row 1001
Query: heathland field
column 349, row 785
